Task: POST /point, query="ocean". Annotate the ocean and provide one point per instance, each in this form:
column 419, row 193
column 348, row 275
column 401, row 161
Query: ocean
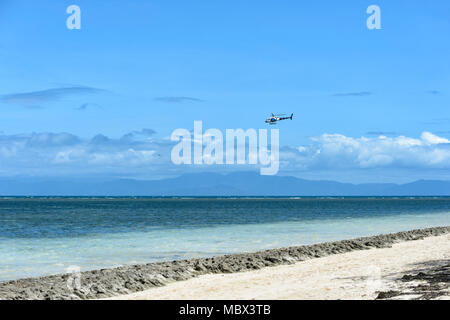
column 43, row 236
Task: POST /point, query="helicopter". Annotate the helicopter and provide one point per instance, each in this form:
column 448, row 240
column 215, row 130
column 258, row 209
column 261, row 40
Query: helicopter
column 275, row 118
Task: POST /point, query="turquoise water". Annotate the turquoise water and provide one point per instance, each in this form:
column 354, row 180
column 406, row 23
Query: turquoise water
column 41, row 236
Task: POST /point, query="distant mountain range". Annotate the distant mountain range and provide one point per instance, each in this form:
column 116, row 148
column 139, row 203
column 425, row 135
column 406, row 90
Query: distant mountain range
column 212, row 184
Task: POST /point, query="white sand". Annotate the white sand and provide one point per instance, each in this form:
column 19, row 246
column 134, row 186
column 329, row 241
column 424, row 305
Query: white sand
column 353, row 275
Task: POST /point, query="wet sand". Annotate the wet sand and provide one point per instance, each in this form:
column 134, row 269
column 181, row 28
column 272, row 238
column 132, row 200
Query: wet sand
column 333, row 270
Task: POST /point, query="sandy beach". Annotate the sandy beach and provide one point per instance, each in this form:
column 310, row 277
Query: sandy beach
column 352, row 275
column 404, row 265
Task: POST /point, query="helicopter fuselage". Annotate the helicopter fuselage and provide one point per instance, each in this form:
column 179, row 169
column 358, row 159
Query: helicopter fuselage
column 274, row 119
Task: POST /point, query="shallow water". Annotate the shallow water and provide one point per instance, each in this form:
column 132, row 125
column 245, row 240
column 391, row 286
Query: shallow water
column 41, row 236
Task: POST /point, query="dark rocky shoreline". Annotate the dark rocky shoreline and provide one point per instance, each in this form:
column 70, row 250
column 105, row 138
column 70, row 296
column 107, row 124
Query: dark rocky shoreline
column 128, row 279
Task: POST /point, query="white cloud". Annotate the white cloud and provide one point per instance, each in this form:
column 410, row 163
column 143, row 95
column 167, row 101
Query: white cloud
column 139, row 154
column 55, row 153
column 337, row 151
column 430, row 138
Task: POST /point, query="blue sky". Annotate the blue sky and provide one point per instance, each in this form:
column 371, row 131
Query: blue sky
column 160, row 65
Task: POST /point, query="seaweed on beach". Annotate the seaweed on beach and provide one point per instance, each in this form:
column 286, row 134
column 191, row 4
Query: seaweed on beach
column 426, row 281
